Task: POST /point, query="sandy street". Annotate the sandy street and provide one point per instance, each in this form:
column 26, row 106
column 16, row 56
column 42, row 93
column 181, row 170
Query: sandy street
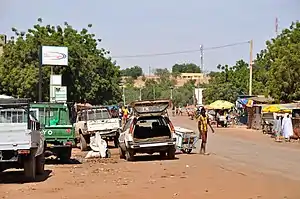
column 243, row 164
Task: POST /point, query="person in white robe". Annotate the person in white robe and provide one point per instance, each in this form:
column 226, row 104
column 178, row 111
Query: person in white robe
column 287, row 127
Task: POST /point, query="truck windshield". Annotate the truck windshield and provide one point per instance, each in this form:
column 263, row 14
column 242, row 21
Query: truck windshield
column 13, row 116
column 98, row 114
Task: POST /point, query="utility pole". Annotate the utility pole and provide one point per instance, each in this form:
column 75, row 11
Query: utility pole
column 149, row 71
column 171, row 93
column 250, row 67
column 276, row 26
column 124, row 95
column 201, row 58
column 140, row 94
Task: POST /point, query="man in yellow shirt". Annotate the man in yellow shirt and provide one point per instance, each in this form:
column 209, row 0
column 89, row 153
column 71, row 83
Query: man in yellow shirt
column 125, row 115
column 203, row 123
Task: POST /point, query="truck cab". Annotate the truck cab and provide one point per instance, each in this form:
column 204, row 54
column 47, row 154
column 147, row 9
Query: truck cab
column 56, row 125
column 21, row 141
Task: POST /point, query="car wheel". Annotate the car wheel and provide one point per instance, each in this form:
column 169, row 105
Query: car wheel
column 40, row 164
column 108, row 153
column 129, row 156
column 116, row 142
column 83, row 144
column 30, row 167
column 122, row 153
column 171, row 153
column 188, row 151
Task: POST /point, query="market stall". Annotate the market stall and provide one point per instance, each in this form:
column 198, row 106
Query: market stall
column 221, row 108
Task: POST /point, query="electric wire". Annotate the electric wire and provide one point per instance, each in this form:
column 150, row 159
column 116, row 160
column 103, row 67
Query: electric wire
column 180, row 52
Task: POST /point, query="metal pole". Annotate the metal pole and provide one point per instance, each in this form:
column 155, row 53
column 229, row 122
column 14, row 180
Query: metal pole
column 171, row 93
column 40, row 83
column 250, row 67
column 201, row 58
column 124, row 95
column 140, row 94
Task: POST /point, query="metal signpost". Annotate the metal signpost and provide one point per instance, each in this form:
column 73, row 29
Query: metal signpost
column 51, row 56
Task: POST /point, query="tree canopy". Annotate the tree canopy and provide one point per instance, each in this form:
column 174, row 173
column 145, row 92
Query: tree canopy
column 280, row 63
column 228, row 83
column 276, row 71
column 133, row 72
column 89, row 76
column 185, row 68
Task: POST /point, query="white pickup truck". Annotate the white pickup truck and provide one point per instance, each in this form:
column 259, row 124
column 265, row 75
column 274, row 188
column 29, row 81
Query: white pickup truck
column 95, row 119
column 21, row 141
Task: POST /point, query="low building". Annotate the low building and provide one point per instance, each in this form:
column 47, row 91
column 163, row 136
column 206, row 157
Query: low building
column 183, row 78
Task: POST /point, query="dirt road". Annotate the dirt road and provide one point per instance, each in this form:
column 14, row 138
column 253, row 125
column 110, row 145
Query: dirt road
column 239, row 167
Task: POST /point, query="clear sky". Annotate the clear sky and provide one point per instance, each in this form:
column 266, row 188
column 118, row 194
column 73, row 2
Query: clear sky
column 144, row 27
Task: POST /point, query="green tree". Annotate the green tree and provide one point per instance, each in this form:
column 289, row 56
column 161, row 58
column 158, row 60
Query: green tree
column 185, row 68
column 228, row 83
column 89, row 74
column 162, row 72
column 281, row 64
column 133, row 72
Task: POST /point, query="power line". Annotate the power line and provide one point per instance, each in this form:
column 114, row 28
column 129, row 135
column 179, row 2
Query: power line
column 180, row 52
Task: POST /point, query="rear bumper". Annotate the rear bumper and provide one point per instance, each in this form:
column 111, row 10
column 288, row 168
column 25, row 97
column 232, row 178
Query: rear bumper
column 151, row 147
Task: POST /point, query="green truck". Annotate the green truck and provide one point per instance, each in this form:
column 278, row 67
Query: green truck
column 56, row 124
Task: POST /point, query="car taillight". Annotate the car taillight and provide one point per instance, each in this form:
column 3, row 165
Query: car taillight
column 131, row 128
column 68, row 130
column 172, row 127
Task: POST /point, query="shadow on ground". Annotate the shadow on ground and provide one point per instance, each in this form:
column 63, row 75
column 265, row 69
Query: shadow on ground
column 147, row 158
column 55, row 161
column 17, row 177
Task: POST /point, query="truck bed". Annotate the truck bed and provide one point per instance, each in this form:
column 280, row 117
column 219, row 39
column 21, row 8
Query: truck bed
column 14, row 136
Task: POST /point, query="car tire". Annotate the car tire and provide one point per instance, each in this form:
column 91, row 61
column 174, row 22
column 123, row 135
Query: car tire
column 108, row 153
column 121, row 153
column 116, row 142
column 40, row 164
column 83, row 143
column 162, row 154
column 65, row 154
column 129, row 156
column 171, row 153
column 30, row 167
column 188, row 151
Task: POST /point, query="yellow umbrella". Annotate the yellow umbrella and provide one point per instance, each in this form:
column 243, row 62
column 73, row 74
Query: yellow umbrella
column 221, row 104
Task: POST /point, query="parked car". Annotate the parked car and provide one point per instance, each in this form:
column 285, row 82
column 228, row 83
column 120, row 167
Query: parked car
column 22, row 143
column 91, row 119
column 149, row 130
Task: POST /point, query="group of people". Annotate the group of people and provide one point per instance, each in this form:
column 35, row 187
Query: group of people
column 283, row 127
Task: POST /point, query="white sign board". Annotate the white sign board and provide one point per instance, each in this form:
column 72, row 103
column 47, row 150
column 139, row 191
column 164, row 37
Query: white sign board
column 55, row 80
column 54, row 56
column 199, row 96
column 60, row 93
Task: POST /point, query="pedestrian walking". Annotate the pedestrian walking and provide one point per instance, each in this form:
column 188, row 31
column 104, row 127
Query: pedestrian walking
column 287, row 127
column 203, row 123
column 277, row 128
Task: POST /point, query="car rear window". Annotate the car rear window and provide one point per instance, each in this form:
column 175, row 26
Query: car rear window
column 148, row 121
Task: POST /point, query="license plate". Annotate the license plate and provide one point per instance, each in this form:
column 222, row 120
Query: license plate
column 50, row 145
